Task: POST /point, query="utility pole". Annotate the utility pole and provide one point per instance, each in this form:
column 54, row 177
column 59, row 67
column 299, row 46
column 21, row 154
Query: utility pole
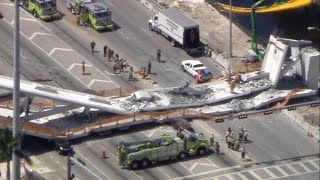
column 16, row 94
column 230, row 30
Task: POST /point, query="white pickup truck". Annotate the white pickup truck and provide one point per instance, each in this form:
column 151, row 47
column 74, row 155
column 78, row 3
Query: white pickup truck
column 180, row 30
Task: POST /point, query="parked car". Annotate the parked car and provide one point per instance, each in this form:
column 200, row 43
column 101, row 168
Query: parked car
column 193, row 66
column 180, row 124
column 62, row 146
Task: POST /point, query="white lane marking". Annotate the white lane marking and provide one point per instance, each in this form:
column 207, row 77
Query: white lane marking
column 147, row 32
column 239, row 166
column 229, row 176
column 208, row 172
column 269, row 172
column 28, row 19
column 278, row 157
column 254, row 174
column 185, row 167
column 97, row 80
column 304, row 167
column 316, row 171
column 124, row 35
column 292, row 168
column 168, row 177
column 314, row 164
column 11, row 23
column 78, row 152
column 39, row 33
column 242, row 176
column 203, row 164
column 112, row 74
column 281, row 170
column 7, row 4
column 60, row 49
column 64, row 168
column 212, row 163
column 48, row 55
column 68, row 46
column 78, row 64
column 23, row 56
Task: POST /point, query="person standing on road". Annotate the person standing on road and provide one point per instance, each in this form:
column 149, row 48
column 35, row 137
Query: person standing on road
column 92, row 44
column 240, row 133
column 131, row 73
column 158, row 55
column 217, row 148
column 149, row 67
column 245, row 135
column 83, row 68
column 212, row 139
column 105, row 47
column 243, row 152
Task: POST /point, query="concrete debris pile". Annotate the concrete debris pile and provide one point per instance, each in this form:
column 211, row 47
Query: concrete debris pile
column 142, row 99
column 237, row 105
column 190, row 96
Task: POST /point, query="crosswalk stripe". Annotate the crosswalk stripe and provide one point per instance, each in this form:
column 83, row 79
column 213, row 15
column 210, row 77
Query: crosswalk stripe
column 270, row 173
column 254, row 174
column 292, row 168
column 242, row 176
column 228, row 176
column 315, row 164
column 304, row 167
column 281, row 170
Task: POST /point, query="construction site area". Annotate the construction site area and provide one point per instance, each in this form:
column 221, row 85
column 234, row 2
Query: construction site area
column 164, row 124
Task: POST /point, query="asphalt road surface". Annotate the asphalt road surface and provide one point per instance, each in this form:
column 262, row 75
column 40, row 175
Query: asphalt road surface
column 54, row 51
column 277, row 149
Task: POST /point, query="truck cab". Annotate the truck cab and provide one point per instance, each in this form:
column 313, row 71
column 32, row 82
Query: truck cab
column 44, row 9
column 97, row 16
column 153, row 23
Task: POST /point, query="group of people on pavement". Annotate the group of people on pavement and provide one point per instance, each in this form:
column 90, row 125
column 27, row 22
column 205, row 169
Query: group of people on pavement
column 232, row 141
column 235, row 142
column 121, row 64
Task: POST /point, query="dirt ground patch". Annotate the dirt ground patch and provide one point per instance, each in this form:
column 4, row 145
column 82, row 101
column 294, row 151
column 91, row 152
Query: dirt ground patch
column 214, row 27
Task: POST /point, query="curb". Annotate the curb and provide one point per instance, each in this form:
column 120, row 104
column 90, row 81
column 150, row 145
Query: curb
column 306, row 127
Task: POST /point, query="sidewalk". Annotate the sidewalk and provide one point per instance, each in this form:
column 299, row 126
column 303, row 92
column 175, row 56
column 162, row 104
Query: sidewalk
column 38, row 167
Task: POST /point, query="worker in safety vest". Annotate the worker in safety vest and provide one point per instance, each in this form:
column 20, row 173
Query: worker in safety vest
column 212, row 139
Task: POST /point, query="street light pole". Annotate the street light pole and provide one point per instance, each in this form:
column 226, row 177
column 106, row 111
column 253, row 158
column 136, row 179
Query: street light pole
column 230, row 30
column 16, row 94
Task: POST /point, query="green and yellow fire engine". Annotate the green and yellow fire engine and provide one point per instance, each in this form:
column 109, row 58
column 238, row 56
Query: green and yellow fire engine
column 96, row 15
column 44, row 9
column 140, row 154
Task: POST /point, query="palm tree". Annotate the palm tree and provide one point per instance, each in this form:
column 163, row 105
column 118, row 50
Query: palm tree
column 7, row 142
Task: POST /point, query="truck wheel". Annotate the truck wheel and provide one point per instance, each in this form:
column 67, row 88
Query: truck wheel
column 201, row 151
column 173, row 43
column 150, row 27
column 35, row 13
column 145, row 163
column 135, row 165
column 182, row 155
column 183, row 68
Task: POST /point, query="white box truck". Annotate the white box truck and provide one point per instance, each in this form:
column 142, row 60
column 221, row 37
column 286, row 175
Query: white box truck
column 180, row 30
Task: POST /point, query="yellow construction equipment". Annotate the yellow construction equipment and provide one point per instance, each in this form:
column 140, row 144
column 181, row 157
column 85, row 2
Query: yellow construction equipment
column 291, row 4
